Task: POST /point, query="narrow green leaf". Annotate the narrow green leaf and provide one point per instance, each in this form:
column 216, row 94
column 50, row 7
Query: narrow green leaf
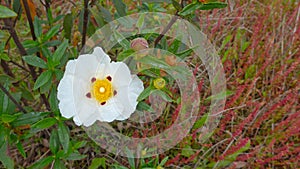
column 53, row 31
column 98, row 163
column 124, row 54
column 190, row 8
column 7, row 118
column 213, row 5
column 79, row 144
column 43, row 124
column 67, row 25
column 58, row 164
column 42, row 79
column 120, row 6
column 35, row 61
column 162, row 163
column 220, row 95
column 176, row 5
column 42, row 163
column 21, row 149
column 59, row 53
column 98, row 17
column 53, row 100
column 164, row 95
column 54, row 142
column 37, row 24
column 75, row 156
column 6, row 12
column 63, row 136
column 28, row 119
column 142, row 106
column 4, row 56
column 199, row 123
column 4, row 158
column 146, row 92
column 106, row 14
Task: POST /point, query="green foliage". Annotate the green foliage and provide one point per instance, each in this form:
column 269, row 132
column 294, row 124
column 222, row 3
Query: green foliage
column 6, row 12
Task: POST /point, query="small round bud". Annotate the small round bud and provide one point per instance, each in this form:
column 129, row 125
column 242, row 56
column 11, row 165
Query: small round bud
column 159, row 83
column 139, row 44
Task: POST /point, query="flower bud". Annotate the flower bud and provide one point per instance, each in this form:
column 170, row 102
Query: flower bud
column 159, row 83
column 139, row 44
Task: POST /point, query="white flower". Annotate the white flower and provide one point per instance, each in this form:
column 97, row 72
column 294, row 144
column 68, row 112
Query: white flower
column 94, row 88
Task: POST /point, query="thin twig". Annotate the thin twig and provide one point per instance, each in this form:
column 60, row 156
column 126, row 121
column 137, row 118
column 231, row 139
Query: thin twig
column 29, row 18
column 85, row 22
column 12, row 98
column 167, row 28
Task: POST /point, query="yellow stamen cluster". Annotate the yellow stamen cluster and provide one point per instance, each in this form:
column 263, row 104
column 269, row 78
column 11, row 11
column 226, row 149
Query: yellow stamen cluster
column 102, row 90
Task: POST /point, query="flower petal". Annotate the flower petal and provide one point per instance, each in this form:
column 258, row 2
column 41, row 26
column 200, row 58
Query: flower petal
column 120, row 74
column 88, row 64
column 65, row 91
column 111, row 110
column 128, row 97
column 101, row 55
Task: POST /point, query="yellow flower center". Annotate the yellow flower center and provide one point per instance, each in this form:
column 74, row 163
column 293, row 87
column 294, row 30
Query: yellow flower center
column 102, row 90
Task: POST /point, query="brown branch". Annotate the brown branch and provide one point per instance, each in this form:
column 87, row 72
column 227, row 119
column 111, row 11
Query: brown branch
column 29, row 18
column 23, row 52
column 85, row 22
column 12, row 98
column 167, row 28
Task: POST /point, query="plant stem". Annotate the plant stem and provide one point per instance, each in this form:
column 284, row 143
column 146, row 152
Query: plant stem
column 167, row 28
column 29, row 18
column 12, row 98
column 85, row 22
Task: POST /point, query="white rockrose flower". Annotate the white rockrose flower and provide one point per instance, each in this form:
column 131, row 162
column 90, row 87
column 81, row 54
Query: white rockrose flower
column 94, row 88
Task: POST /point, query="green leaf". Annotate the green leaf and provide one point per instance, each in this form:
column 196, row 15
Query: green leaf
column 58, row 164
column 98, row 163
column 164, row 95
column 145, row 93
column 43, row 124
column 190, row 8
column 63, row 136
column 220, row 95
column 21, row 149
column 37, row 24
column 120, row 6
column 124, row 54
column 79, row 144
column 54, row 142
column 6, row 12
column 144, row 106
column 59, row 52
column 53, row 100
column 99, row 18
column 7, row 118
column 28, row 119
column 163, row 161
column 4, row 56
column 35, row 61
column 187, row 151
column 121, row 40
column 213, row 5
column 42, row 163
column 250, row 72
column 4, row 158
column 75, row 156
column 106, row 14
column 176, row 5
column 199, row 123
column 54, row 30
column 67, row 25
column 42, row 79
